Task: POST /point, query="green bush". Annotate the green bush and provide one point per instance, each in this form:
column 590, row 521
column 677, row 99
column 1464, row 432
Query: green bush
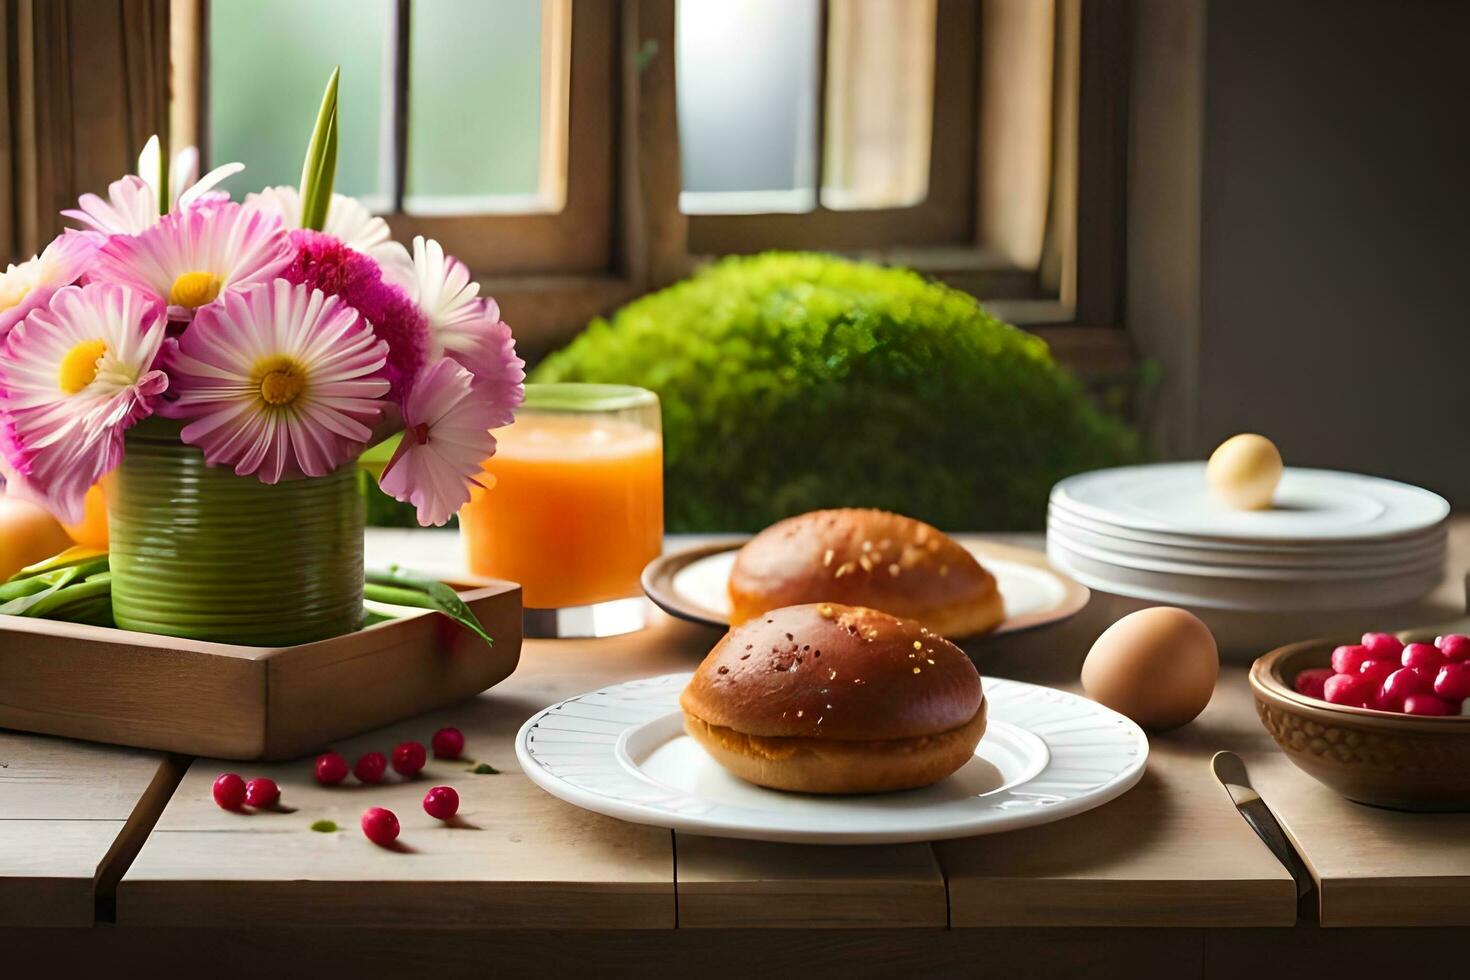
column 791, row 382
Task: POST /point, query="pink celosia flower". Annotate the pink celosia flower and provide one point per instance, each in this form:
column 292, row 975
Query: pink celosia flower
column 73, row 378
column 467, row 326
column 348, row 222
column 31, row 284
column 446, row 438
column 323, row 262
column 190, row 258
column 278, row 380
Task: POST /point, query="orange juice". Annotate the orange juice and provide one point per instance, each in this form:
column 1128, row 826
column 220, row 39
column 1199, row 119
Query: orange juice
column 573, row 511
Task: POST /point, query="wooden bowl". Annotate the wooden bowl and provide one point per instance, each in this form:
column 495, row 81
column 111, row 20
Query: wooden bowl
column 1406, row 762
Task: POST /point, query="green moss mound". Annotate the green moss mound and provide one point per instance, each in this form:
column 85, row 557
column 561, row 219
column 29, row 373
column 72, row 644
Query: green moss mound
column 792, row 382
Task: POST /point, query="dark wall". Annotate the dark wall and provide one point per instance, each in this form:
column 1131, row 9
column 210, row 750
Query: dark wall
column 1332, row 234
column 1335, row 234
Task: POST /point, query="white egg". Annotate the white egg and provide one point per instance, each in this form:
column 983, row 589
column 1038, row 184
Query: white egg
column 1245, row 471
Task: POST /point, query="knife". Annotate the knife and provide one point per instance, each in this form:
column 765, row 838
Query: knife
column 1230, row 771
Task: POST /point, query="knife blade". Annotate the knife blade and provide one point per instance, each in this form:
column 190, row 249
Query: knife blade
column 1230, row 771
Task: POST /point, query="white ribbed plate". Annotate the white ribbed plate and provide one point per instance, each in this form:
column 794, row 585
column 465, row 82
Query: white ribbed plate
column 622, row 751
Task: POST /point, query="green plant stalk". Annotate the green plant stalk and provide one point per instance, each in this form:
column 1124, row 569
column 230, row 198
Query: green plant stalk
column 24, row 597
column 319, row 169
column 57, row 605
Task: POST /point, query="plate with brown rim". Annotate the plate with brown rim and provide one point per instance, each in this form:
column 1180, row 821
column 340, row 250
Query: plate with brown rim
column 691, row 584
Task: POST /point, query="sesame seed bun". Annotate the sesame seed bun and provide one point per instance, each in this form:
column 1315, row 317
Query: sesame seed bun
column 869, row 558
column 825, row 698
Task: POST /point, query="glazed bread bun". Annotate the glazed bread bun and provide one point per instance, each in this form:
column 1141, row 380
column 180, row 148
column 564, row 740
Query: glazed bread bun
column 866, row 558
column 823, row 698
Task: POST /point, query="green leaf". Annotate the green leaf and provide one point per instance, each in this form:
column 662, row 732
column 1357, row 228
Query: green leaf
column 75, row 555
column 325, row 827
column 436, row 595
column 319, row 170
column 484, row 769
column 73, row 602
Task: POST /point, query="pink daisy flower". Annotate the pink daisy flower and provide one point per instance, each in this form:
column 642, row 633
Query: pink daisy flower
column 446, row 438
column 348, row 222
column 132, row 203
column 323, row 262
column 467, row 326
column 279, row 381
column 190, row 258
column 31, row 284
column 74, row 377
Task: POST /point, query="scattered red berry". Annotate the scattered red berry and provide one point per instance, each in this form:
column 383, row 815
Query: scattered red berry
column 409, row 758
column 441, row 802
column 379, row 826
column 1347, row 659
column 370, row 768
column 1453, row 681
column 1422, row 655
column 1349, row 689
column 1312, row 682
column 331, row 769
column 1455, row 647
column 229, row 791
column 1383, row 646
column 261, row 791
column 448, row 743
column 1426, row 704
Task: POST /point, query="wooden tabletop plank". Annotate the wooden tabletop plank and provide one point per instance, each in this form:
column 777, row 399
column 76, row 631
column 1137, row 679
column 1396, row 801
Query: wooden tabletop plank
column 740, row 884
column 520, row 857
column 69, row 811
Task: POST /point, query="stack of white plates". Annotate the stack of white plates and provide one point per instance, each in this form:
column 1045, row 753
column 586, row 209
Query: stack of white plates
column 1332, row 541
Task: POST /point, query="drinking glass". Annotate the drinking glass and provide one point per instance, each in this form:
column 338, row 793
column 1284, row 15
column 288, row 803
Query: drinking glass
column 573, row 507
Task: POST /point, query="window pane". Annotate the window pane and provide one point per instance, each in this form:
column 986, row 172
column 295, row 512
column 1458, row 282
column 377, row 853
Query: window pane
column 268, row 63
column 880, row 103
column 747, row 84
column 475, row 105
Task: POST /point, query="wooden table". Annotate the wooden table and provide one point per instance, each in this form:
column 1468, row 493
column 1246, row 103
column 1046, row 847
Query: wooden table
column 1168, row 879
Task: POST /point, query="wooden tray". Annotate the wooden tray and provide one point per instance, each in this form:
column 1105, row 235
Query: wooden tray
column 242, row 702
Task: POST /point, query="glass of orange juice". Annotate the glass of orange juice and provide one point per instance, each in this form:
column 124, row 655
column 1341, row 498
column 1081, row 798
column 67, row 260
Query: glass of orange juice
column 573, row 507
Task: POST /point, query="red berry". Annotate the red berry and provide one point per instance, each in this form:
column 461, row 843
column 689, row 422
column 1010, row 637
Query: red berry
column 261, row 791
column 1377, row 670
column 1311, row 681
column 331, row 768
column 1350, row 689
column 379, row 826
column 1347, row 659
column 448, row 743
column 1425, row 704
column 1455, row 647
column 1401, row 684
column 370, row 768
column 1422, row 655
column 1383, row 645
column 1453, row 682
column 409, row 758
column 441, row 802
column 229, row 791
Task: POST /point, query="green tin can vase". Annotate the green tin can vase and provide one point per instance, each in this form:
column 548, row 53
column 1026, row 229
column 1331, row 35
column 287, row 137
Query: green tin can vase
column 199, row 552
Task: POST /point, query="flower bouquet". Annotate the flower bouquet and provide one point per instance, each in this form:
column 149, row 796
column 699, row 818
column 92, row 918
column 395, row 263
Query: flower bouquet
column 222, row 364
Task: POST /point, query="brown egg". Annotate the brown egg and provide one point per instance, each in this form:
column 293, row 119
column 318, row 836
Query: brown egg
column 1245, row 470
column 1158, row 666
